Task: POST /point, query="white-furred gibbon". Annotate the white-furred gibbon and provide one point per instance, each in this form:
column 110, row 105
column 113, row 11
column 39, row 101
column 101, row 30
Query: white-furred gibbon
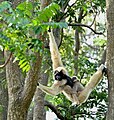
column 70, row 87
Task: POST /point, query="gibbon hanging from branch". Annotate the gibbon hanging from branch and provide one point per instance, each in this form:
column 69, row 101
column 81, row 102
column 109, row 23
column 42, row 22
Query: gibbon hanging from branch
column 69, row 86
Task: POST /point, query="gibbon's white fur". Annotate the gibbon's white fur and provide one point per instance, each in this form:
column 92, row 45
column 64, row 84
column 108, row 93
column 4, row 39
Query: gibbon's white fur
column 55, row 56
column 77, row 94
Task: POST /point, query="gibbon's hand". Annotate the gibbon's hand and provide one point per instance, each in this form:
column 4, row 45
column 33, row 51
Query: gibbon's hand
column 49, row 30
column 37, row 84
column 103, row 69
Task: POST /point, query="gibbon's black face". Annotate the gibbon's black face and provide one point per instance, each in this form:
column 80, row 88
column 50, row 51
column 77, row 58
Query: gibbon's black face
column 59, row 75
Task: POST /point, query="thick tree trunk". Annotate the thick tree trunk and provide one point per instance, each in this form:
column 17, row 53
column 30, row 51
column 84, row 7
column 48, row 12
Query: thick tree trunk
column 3, row 91
column 110, row 57
column 20, row 96
column 14, row 88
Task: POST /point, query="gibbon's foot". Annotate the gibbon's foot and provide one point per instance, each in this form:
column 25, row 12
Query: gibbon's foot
column 74, row 105
column 37, row 84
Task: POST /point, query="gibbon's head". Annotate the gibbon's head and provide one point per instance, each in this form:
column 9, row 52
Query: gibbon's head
column 60, row 73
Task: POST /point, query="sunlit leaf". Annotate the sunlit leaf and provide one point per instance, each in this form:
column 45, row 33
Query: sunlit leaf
column 26, row 68
column 23, row 64
column 25, row 6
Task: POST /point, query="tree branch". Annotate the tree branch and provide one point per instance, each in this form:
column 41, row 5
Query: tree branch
column 31, row 81
column 55, row 110
column 65, row 5
column 83, row 25
column 1, row 66
column 103, row 59
column 92, row 47
column 93, row 20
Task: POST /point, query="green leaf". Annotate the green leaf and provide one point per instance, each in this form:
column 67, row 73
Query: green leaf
column 63, row 25
column 25, row 6
column 4, row 5
column 56, row 24
column 22, row 61
column 38, row 30
column 44, row 14
column 23, row 21
column 27, row 12
column 35, row 22
column 26, row 68
column 24, row 64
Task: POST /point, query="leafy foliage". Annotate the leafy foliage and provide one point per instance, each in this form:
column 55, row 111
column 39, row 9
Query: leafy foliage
column 22, row 27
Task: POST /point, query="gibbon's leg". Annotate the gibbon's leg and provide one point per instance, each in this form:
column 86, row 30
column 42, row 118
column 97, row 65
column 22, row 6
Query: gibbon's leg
column 55, row 56
column 77, row 89
column 53, row 90
column 94, row 80
column 75, row 99
column 70, row 94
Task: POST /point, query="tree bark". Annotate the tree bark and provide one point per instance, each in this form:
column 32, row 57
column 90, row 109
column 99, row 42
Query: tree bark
column 19, row 97
column 14, row 87
column 3, row 91
column 77, row 43
column 39, row 112
column 76, row 54
column 110, row 57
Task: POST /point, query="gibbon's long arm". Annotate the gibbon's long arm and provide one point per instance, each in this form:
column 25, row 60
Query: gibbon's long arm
column 53, row 90
column 94, row 80
column 55, row 55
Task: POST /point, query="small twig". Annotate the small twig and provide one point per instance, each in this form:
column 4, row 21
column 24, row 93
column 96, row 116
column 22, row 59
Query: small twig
column 65, row 5
column 94, row 15
column 63, row 16
column 92, row 47
column 1, row 66
column 93, row 20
